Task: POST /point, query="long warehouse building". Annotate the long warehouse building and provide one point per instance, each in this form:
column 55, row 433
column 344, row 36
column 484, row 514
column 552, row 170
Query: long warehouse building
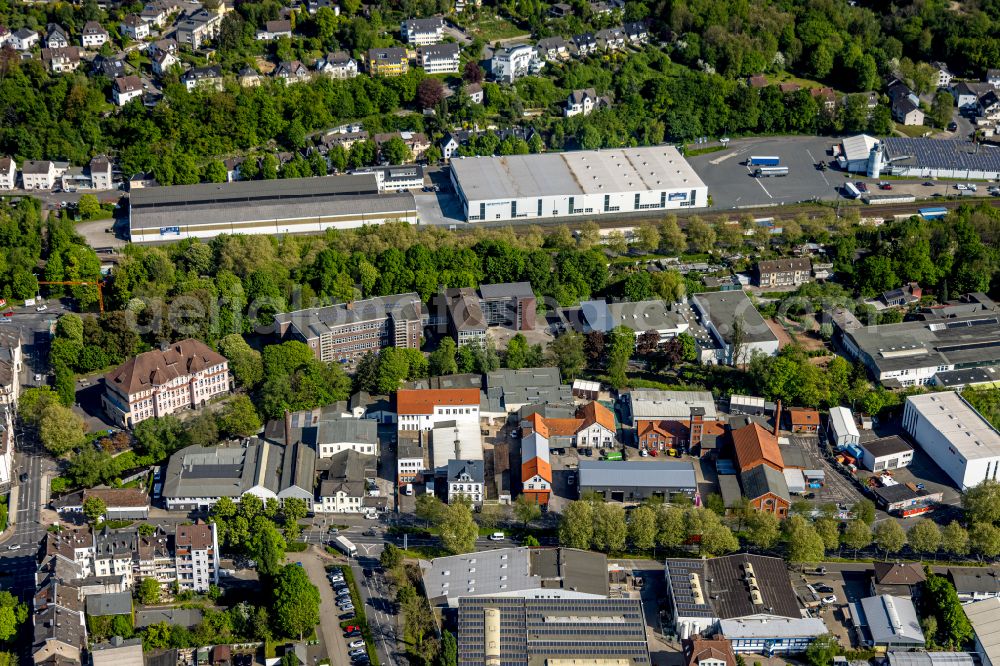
column 585, row 182
column 293, row 206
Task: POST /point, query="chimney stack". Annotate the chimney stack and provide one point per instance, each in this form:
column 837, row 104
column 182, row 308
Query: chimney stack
column 288, row 428
column 777, row 419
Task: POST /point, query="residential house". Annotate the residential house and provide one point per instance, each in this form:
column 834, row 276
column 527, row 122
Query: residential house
column 783, row 272
column 167, row 45
column 126, row 88
column 585, row 43
column 274, row 29
column 114, row 552
column 328, row 430
column 182, row 375
column 700, row 651
column 411, row 456
column 826, row 98
column 944, row 75
column 388, row 62
column 886, row 453
column 198, row 28
column 11, row 363
column 62, row 59
column 757, row 81
column 611, row 39
column 600, row 8
column 993, row 77
column 4, row 35
column 109, row 68
column 906, row 112
column 899, row 579
column 38, row 175
column 338, row 65
column 967, row 93
column 560, row 10
column 100, row 173
column 248, row 77
column 474, row 91
column 536, row 467
column 162, row 61
column 24, row 39
column 636, row 32
column 989, row 105
column 452, row 141
column 291, row 71
column 906, row 295
column 133, row 27
column 513, row 62
column 583, row 102
column 203, row 77
column 766, row 489
column 344, row 485
column 553, row 48
column 196, row 549
column 56, row 36
column 314, row 6
column 789, row 87
column 416, row 142
column 466, row 478
column 93, row 35
column 8, row 173
column 439, row 58
column 803, row 420
column 154, row 14
column 421, row 32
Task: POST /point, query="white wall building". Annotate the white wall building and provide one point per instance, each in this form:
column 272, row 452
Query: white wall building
column 196, row 550
column 841, row 426
column 424, row 31
column 93, row 35
column 439, row 58
column 423, row 409
column 586, row 182
column 718, row 312
column 955, row 436
column 8, row 173
column 514, row 62
column 886, row 453
column 39, row 175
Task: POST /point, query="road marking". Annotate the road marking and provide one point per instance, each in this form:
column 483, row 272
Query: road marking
column 720, row 160
column 761, row 184
column 821, row 173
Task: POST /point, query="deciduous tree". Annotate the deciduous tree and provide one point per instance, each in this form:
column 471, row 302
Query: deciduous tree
column 296, row 602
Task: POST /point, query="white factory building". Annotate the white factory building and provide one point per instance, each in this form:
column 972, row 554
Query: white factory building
column 585, row 182
column 918, row 158
column 955, row 436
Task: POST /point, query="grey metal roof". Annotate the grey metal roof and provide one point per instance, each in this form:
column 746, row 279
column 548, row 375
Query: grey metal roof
column 258, row 190
column 347, row 472
column 969, row 580
column 624, row 474
column 729, row 488
column 967, row 376
column 774, row 628
column 506, row 290
column 642, row 316
column 317, row 321
column 657, row 404
column 723, row 307
column 223, row 471
column 764, row 479
column 725, row 590
column 440, row 50
column 941, row 154
column 109, row 603
column 930, row 658
column 892, row 621
column 652, row 168
column 519, row 387
column 473, row 468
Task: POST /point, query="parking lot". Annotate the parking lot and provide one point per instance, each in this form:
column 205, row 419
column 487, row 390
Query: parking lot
column 732, row 185
column 847, row 586
column 836, row 488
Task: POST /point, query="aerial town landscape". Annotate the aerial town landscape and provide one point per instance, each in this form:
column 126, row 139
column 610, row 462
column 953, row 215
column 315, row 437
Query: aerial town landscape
column 521, row 333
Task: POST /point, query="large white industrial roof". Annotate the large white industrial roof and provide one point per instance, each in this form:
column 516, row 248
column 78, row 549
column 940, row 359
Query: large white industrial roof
column 656, row 404
column 965, row 429
column 984, row 616
column 453, row 440
column 843, row 422
column 643, row 169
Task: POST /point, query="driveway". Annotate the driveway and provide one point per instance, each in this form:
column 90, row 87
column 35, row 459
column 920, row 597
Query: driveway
column 330, row 635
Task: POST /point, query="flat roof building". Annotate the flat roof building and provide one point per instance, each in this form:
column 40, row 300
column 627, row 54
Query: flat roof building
column 563, row 573
column 586, row 182
column 295, row 205
column 956, row 436
column 887, row 621
column 622, row 481
column 553, row 632
column 666, row 319
column 719, row 311
column 516, row 388
column 347, row 331
column 984, row 616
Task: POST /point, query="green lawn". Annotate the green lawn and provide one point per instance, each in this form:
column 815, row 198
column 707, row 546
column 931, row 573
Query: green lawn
column 493, row 28
column 913, row 131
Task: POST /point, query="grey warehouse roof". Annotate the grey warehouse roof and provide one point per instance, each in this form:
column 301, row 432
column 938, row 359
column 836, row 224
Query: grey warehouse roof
column 886, row 446
column 274, row 200
column 941, row 154
column 722, row 308
column 644, row 169
column 110, row 603
column 623, row 474
column 892, row 621
column 639, row 317
column 725, row 590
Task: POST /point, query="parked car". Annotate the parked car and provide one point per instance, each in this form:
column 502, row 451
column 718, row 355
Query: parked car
column 367, row 573
column 861, row 186
column 351, row 628
column 824, row 589
column 497, row 536
column 345, row 616
column 356, row 644
column 830, row 599
column 357, row 652
column 14, row 546
column 952, row 126
column 885, row 186
column 352, row 634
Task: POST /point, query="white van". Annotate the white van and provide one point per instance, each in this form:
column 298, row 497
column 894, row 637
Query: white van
column 497, row 536
column 408, row 489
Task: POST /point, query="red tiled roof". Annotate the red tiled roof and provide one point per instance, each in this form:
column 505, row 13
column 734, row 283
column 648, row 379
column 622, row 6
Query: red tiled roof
column 423, row 401
column 595, row 412
column 755, row 445
column 536, row 466
column 803, row 416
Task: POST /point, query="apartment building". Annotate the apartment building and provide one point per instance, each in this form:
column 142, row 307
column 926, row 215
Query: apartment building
column 126, row 88
column 183, row 375
column 423, row 409
column 470, row 312
column 514, row 62
column 8, row 173
column 10, row 366
column 439, row 58
column 338, row 65
column 345, row 484
column 347, row 331
column 196, row 549
column 198, row 28
column 39, row 174
column 424, row 31
column 388, row 62
column 93, row 35
column 783, row 272
column 536, row 467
